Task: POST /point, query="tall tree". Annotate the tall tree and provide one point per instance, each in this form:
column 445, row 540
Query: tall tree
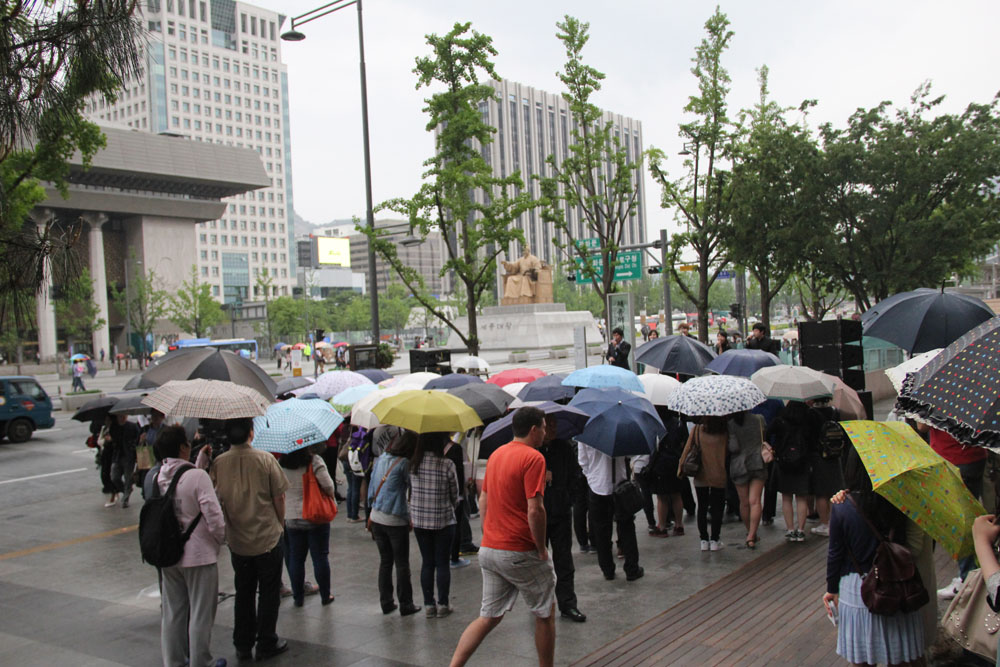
column 909, row 197
column 474, row 210
column 76, row 312
column 142, row 304
column 192, row 309
column 703, row 197
column 774, row 204
column 598, row 176
column 51, row 59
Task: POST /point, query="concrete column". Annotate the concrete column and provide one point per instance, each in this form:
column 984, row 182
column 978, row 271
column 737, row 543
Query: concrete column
column 102, row 338
column 45, row 308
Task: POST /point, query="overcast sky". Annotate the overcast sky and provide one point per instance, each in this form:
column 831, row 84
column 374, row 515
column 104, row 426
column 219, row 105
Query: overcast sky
column 845, row 54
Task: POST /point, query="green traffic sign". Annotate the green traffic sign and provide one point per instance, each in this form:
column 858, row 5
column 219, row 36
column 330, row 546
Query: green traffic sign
column 628, row 266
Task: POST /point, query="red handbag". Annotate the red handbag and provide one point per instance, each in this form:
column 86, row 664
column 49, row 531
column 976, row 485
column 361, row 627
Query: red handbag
column 317, row 507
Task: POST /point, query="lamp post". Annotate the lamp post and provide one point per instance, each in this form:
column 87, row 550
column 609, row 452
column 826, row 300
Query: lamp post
column 294, row 35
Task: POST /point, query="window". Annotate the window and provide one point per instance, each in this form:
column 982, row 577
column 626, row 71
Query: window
column 215, row 271
column 204, row 271
column 215, row 290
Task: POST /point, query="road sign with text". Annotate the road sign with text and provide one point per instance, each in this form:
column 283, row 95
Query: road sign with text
column 628, row 264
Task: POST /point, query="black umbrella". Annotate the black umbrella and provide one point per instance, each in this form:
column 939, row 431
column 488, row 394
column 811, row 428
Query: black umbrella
column 452, row 381
column 95, row 409
column 675, row 354
column 547, row 388
column 290, row 384
column 487, row 400
column 133, row 382
column 131, row 405
column 210, row 364
column 569, row 422
column 957, row 391
column 924, row 319
column 376, row 375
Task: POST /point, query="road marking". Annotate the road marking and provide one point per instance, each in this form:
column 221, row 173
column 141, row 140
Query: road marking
column 48, row 474
column 68, row 543
column 81, row 451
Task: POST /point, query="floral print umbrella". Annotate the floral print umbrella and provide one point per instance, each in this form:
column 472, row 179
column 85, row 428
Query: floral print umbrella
column 715, row 396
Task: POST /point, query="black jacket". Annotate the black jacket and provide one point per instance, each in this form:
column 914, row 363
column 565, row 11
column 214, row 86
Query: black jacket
column 561, row 461
column 620, row 353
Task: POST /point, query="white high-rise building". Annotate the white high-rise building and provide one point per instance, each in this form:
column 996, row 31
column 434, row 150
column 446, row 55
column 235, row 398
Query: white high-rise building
column 213, row 72
column 533, row 124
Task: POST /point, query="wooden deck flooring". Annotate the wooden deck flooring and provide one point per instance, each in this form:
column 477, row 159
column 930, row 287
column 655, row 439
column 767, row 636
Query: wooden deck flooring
column 767, row 612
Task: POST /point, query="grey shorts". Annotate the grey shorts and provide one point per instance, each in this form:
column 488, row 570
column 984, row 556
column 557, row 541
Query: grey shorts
column 507, row 573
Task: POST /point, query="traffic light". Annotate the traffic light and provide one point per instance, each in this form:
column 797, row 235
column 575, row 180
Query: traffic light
column 735, row 311
column 571, row 278
column 654, row 270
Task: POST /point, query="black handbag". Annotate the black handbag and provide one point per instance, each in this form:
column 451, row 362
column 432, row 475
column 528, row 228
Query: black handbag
column 627, row 495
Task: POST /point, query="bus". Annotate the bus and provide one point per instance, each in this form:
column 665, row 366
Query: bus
column 245, row 347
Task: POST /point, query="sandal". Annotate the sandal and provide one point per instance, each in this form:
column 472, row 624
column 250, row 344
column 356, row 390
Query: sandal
column 752, row 544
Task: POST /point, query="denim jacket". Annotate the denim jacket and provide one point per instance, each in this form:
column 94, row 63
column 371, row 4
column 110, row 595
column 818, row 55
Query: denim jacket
column 392, row 498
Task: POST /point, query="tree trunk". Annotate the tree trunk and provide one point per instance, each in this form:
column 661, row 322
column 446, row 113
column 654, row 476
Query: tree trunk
column 765, row 300
column 470, row 305
column 703, row 301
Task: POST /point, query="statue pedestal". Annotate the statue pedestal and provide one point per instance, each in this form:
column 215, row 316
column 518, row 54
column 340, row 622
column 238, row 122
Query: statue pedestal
column 528, row 327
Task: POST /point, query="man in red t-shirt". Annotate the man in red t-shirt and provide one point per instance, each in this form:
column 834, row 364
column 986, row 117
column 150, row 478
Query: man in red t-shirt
column 512, row 554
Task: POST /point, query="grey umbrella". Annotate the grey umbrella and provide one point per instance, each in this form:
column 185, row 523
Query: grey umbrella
column 210, row 364
column 924, row 319
column 487, row 400
column 675, row 354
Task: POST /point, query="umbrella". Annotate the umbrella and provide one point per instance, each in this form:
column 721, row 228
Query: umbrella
column 331, row 383
column 846, row 399
column 488, row 400
column 290, row 384
column 514, row 388
column 79, row 357
column 957, row 390
column 207, row 399
column 341, row 344
column 716, row 395
column 388, row 382
column 345, row 399
column 924, row 319
column 321, row 344
column 593, row 401
column 623, row 429
column 569, row 422
column 278, row 346
column 425, row 411
column 294, row 424
column 470, row 363
column 156, row 354
column 299, row 346
column 131, row 405
column 208, row 363
column 452, row 380
column 376, row 375
column 793, row 383
column 512, row 375
column 675, row 354
column 548, row 388
column 361, row 411
column 603, row 376
column 95, row 409
column 743, row 363
column 415, row 380
column 898, row 373
column 133, row 382
column 913, row 477
column 790, row 335
column 658, row 388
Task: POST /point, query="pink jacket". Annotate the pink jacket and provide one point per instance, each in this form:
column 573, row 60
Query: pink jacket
column 195, row 493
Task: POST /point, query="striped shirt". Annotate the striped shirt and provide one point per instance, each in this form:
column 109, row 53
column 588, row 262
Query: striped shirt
column 433, row 493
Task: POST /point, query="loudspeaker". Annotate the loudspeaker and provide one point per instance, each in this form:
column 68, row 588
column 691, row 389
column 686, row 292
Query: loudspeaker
column 868, row 402
column 824, row 358
column 853, row 378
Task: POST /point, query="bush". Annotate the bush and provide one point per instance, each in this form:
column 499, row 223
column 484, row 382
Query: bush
column 385, row 355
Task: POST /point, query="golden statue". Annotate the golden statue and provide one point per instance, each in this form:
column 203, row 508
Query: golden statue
column 527, row 280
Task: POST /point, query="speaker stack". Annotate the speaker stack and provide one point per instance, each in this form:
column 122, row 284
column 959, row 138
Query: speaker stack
column 834, row 347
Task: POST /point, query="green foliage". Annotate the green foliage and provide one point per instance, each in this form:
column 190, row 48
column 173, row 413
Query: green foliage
column 581, row 297
column 76, row 311
column 142, row 304
column 479, row 227
column 192, row 309
column 287, row 317
column 385, row 355
column 597, row 175
column 703, row 197
column 394, row 306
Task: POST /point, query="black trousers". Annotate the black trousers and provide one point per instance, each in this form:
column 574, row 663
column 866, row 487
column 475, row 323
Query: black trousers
column 710, row 498
column 602, row 519
column 393, row 544
column 647, row 496
column 463, row 531
column 581, row 505
column 559, row 534
column 258, row 594
column 770, row 494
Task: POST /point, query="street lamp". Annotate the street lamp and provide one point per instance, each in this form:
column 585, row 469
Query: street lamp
column 294, row 35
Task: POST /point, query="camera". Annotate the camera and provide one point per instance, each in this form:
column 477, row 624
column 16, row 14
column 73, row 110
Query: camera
column 213, row 432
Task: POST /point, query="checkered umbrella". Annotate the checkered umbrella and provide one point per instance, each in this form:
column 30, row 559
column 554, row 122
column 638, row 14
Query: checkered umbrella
column 331, row 383
column 207, row 399
column 294, row 424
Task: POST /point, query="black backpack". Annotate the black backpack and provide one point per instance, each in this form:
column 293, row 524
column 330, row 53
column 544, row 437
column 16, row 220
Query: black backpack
column 161, row 540
column 831, row 438
column 792, row 456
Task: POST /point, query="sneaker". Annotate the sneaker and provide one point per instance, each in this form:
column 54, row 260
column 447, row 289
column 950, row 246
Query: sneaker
column 822, row 529
column 715, row 545
column 585, row 549
column 812, row 518
column 704, row 545
column 951, row 590
column 468, row 550
column 286, row 591
column 678, row 530
column 444, row 610
column 430, row 611
column 474, row 515
column 309, row 588
column 800, row 536
column 455, row 564
column 790, row 535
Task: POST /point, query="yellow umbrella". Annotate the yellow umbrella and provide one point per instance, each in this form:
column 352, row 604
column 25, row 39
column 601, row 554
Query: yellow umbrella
column 426, row 411
column 914, row 478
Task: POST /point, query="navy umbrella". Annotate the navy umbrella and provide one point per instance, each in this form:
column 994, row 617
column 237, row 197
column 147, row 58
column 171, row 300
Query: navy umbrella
column 376, row 375
column 547, row 388
column 593, row 401
column 675, row 354
column 924, row 319
column 569, row 422
column 743, row 363
column 623, row 429
column 452, row 380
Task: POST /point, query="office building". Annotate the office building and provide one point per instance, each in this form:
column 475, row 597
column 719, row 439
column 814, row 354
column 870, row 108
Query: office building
column 213, row 73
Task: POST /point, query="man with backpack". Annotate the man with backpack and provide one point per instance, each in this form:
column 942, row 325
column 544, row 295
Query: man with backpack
column 182, row 518
column 826, row 477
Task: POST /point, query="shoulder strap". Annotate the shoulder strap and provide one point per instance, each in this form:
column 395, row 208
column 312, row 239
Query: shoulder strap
column 875, row 531
column 177, row 478
column 385, row 477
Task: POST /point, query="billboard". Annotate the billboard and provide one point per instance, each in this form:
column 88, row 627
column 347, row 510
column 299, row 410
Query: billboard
column 333, row 251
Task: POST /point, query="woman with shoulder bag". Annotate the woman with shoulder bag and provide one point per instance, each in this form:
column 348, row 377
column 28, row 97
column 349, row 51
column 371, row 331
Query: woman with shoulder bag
column 663, row 479
column 747, row 469
column 306, row 536
column 711, row 437
column 864, row 637
column 390, row 523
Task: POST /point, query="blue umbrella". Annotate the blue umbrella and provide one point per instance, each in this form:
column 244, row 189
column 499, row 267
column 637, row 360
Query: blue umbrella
column 570, row 421
column 593, row 401
column 376, row 375
column 743, row 363
column 452, row 380
column 547, row 388
column 352, row 395
column 604, row 376
column 79, row 357
column 278, row 346
column 294, row 424
column 623, row 429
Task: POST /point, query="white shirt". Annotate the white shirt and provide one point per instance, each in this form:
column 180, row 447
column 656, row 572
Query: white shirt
column 596, row 467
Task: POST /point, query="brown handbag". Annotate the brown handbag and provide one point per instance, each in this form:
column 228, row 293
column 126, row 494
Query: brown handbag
column 970, row 620
column 691, row 465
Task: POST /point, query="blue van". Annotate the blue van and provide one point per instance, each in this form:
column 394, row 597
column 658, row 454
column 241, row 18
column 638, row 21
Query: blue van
column 24, row 407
